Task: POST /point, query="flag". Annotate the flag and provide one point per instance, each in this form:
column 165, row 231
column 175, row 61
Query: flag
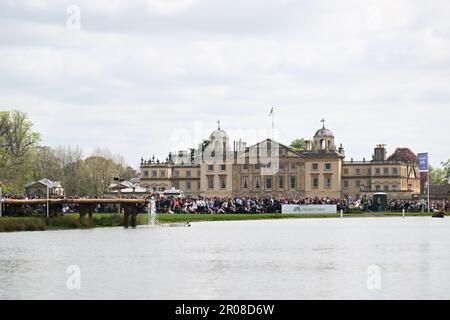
column 271, row 112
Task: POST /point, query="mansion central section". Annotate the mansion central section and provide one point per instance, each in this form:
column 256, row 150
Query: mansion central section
column 269, row 168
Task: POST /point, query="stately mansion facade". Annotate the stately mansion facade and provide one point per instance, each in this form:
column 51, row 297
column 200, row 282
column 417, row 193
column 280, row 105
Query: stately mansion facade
column 220, row 169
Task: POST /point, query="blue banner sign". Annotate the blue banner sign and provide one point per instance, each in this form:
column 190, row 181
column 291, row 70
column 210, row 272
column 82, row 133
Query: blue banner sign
column 423, row 162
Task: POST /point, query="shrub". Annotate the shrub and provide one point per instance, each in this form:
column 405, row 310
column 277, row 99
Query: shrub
column 64, row 223
column 108, row 220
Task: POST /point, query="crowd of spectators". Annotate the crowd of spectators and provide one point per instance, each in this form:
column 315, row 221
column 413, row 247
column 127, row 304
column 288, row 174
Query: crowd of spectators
column 40, row 209
column 418, row 205
column 216, row 205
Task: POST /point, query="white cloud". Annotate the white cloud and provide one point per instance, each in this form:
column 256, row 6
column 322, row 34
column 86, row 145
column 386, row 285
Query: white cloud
column 138, row 70
column 169, row 6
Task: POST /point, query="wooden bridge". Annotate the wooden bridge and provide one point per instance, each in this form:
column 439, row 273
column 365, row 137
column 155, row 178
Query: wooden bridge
column 86, row 207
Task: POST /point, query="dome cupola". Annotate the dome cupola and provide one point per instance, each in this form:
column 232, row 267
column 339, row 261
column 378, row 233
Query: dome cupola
column 218, row 134
column 324, row 139
column 219, row 139
column 324, row 132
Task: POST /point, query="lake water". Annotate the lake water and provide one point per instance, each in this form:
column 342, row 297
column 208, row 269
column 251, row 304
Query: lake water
column 354, row 258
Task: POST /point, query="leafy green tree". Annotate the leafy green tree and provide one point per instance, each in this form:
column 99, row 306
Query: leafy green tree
column 437, row 176
column 446, row 168
column 298, row 144
column 17, row 137
column 17, row 141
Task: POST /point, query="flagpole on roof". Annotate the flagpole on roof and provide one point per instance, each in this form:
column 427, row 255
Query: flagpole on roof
column 273, row 122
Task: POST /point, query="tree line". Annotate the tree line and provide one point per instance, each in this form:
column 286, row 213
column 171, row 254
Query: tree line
column 23, row 159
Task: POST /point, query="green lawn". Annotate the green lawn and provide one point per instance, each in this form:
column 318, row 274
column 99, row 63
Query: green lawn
column 71, row 221
column 227, row 217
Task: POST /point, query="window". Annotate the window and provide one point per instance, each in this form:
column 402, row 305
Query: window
column 257, row 166
column 345, row 183
column 162, row 173
column 378, row 188
column 293, row 182
column 280, row 182
column 315, row 166
column 345, row 171
column 358, row 171
column 377, row 170
column 176, row 173
column 293, row 166
column 245, row 183
column 268, row 182
column 188, row 185
column 154, row 173
column 394, row 171
column 281, row 166
column 358, row 183
column 223, row 182
column 369, row 171
column 328, row 166
column 315, row 182
column 145, row 173
column 257, row 183
column 223, row 167
column 210, row 182
column 176, row 185
column 245, row 167
column 386, row 170
column 327, row 182
column 188, row 174
column 210, row 167
column 386, row 188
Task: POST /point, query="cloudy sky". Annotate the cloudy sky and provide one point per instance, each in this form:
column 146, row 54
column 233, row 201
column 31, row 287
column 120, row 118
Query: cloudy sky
column 148, row 77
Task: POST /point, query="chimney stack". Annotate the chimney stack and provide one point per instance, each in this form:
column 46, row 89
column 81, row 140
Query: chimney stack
column 380, row 153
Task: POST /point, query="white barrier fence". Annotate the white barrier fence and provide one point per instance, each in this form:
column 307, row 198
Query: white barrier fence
column 309, row 208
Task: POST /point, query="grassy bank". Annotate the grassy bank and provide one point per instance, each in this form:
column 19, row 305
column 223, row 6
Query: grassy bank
column 172, row 218
column 22, row 224
column 71, row 221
